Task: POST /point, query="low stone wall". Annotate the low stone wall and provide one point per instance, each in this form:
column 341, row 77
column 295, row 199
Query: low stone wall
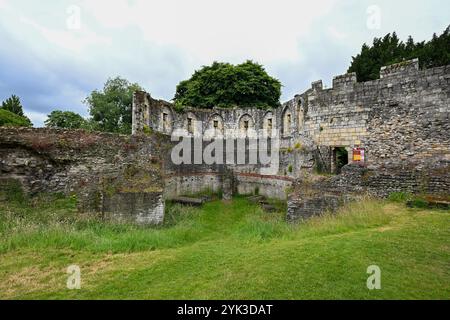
column 274, row 187
column 191, row 184
column 380, row 182
column 327, row 194
column 188, row 179
column 141, row 208
column 302, row 208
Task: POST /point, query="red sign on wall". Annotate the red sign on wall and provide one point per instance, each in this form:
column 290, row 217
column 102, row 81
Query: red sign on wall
column 359, row 155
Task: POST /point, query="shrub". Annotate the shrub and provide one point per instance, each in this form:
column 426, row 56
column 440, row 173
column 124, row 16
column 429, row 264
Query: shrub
column 64, row 120
column 399, row 196
column 418, row 203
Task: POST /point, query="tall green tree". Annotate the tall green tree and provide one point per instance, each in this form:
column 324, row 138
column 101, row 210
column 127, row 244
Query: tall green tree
column 65, row 120
column 110, row 108
column 14, row 106
column 389, row 50
column 226, row 85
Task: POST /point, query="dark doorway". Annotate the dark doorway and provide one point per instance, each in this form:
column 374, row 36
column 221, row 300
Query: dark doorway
column 340, row 158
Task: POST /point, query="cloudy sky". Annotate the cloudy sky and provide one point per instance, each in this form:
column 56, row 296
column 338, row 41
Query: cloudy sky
column 54, row 53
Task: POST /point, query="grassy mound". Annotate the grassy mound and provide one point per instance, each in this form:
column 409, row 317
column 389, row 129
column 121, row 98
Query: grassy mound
column 9, row 119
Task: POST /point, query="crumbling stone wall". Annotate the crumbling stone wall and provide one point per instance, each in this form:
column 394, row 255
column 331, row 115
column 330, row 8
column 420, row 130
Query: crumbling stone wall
column 402, row 122
column 117, row 175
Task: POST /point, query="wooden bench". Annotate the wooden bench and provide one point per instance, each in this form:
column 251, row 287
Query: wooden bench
column 188, row 201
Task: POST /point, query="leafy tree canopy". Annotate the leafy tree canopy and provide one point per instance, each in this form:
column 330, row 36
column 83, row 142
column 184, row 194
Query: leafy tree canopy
column 10, row 119
column 110, row 108
column 65, row 120
column 389, row 50
column 226, row 85
column 14, row 106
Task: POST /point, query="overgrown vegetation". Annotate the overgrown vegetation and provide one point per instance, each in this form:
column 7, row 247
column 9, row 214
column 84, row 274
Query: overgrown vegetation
column 390, row 49
column 222, row 251
column 420, row 201
column 226, row 85
column 290, row 168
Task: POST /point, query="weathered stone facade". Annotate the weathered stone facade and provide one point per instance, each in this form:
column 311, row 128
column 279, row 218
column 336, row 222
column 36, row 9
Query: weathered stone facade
column 116, row 175
column 401, row 121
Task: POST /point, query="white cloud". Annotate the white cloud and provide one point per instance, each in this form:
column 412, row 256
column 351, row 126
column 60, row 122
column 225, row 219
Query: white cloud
column 337, row 34
column 73, row 41
column 159, row 43
column 212, row 30
column 36, row 117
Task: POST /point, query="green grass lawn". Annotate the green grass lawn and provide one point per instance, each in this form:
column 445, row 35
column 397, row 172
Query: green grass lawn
column 223, row 251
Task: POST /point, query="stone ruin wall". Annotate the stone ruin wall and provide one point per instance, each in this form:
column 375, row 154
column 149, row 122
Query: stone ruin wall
column 161, row 116
column 119, row 176
column 401, row 120
column 190, row 179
